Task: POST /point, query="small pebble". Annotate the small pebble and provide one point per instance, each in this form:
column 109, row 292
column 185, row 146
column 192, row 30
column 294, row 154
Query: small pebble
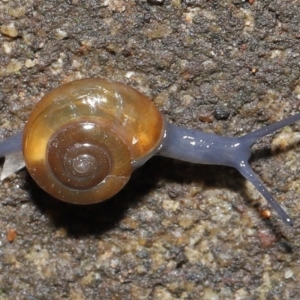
column 9, row 30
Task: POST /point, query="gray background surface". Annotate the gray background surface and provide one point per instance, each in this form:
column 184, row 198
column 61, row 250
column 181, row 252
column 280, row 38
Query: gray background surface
column 177, row 231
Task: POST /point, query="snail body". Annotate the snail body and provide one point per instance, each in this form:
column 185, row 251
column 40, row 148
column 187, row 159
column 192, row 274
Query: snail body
column 84, row 139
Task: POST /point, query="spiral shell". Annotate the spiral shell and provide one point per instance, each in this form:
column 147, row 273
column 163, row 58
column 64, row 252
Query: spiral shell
column 83, row 139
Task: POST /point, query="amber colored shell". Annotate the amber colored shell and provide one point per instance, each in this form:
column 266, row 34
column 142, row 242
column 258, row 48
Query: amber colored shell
column 84, row 138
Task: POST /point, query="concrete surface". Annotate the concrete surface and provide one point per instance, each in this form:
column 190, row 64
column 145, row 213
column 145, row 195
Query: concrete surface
column 177, row 231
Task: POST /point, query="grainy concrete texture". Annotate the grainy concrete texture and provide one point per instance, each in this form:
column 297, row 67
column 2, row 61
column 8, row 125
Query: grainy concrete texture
column 177, row 230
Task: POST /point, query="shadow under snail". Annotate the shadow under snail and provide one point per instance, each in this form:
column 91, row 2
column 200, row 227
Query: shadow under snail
column 103, row 130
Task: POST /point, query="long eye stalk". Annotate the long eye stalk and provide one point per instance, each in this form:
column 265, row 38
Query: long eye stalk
column 249, row 139
column 248, row 173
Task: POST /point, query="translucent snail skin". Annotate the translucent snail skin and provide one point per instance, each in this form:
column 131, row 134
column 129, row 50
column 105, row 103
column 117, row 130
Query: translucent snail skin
column 83, row 140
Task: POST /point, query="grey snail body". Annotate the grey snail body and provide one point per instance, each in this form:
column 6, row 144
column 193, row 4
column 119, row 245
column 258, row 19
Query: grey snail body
column 84, row 139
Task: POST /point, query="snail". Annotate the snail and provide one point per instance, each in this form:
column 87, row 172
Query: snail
column 84, row 139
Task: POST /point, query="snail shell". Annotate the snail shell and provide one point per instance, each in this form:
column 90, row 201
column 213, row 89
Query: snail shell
column 84, row 139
